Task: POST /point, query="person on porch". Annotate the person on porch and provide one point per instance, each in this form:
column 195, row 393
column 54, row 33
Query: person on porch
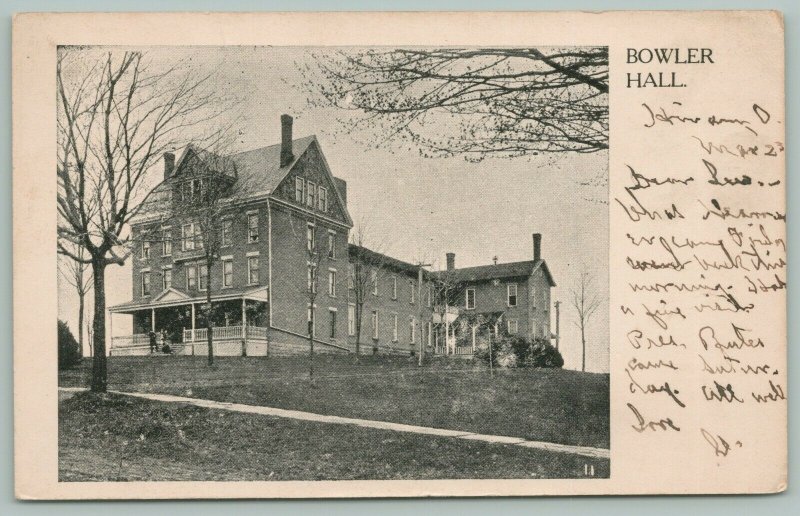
column 153, row 344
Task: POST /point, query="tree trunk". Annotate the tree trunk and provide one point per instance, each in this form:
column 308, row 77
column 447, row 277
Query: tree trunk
column 81, row 308
column 99, row 381
column 311, row 343
column 209, row 325
column 583, row 347
column 359, row 311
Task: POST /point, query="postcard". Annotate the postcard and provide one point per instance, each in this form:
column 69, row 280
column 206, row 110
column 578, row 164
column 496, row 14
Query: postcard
column 332, row 255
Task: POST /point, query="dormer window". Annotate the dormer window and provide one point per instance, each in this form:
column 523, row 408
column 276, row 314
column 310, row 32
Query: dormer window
column 299, row 190
column 323, row 199
column 311, row 194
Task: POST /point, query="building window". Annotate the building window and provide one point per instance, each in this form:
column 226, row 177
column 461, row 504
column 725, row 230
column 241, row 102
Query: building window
column 187, row 237
column 470, row 304
column 332, row 283
column 227, row 273
column 252, row 270
column 146, row 283
column 333, row 323
column 202, row 272
column 512, row 294
column 166, row 243
column 186, row 191
column 374, row 324
column 412, row 285
column 311, row 191
column 146, row 250
column 166, row 279
column 394, row 328
column 311, row 240
column 351, row 276
column 351, row 319
column 374, row 280
column 394, row 287
column 191, row 277
column 412, row 329
column 252, row 228
column 226, row 238
column 323, row 199
column 512, row 326
column 299, row 190
column 331, row 245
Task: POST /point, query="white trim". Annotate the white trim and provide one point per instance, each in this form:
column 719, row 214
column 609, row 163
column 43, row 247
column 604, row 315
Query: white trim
column 165, row 267
column 254, row 211
column 332, row 269
column 144, row 269
column 252, row 253
column 229, row 257
column 333, row 309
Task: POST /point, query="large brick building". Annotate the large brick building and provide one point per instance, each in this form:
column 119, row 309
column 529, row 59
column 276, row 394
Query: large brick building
column 284, row 229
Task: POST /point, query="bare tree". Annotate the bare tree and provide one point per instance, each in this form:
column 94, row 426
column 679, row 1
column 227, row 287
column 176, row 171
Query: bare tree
column 446, row 289
column 76, row 274
column 503, row 102
column 115, row 118
column 364, row 271
column 586, row 302
column 199, row 201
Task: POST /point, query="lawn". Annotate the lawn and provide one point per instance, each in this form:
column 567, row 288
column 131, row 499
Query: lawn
column 560, row 406
column 118, row 438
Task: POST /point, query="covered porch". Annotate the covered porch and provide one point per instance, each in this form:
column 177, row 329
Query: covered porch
column 177, row 321
column 465, row 333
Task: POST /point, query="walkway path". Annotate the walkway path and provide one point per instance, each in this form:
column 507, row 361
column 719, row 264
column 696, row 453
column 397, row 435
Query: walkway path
column 600, row 453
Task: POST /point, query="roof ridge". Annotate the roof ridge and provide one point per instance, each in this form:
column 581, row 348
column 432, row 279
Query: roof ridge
column 269, row 146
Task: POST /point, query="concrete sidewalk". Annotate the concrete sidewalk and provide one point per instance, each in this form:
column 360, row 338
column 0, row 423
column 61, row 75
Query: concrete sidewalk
column 599, row 453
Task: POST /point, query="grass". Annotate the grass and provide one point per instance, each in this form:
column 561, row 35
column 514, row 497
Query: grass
column 552, row 405
column 118, row 438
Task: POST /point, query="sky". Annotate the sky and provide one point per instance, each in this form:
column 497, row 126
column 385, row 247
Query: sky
column 417, row 208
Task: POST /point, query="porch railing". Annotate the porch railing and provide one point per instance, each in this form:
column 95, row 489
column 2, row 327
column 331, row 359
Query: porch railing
column 225, row 333
column 124, row 341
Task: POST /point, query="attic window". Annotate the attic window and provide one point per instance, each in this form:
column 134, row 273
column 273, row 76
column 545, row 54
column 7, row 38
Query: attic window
column 323, row 199
column 299, row 190
column 311, row 193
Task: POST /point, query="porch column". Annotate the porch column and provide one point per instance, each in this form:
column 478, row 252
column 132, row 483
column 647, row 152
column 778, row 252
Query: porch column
column 244, row 326
column 153, row 320
column 110, row 334
column 193, row 324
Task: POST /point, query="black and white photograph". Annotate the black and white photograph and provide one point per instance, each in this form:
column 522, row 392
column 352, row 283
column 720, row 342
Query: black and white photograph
column 282, row 263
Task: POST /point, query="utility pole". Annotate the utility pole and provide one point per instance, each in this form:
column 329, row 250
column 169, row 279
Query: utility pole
column 558, row 333
column 420, row 265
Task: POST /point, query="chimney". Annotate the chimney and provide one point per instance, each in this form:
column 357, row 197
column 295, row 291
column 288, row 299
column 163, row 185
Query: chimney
column 537, row 246
column 286, row 140
column 169, row 164
column 451, row 261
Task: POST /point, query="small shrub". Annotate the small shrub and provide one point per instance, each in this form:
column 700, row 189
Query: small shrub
column 515, row 351
column 69, row 353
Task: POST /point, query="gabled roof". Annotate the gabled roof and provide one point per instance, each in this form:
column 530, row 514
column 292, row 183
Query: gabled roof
column 257, row 172
column 175, row 296
column 498, row 271
column 357, row 252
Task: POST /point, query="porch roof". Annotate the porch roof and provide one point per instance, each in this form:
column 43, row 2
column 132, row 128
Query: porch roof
column 175, row 297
